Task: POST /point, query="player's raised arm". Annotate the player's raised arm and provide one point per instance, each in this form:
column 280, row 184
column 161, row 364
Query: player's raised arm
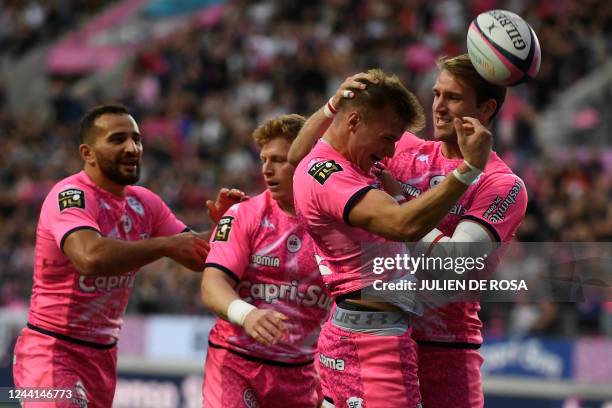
column 378, row 213
column 318, row 122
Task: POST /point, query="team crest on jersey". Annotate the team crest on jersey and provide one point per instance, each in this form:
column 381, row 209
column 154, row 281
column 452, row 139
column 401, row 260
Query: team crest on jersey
column 224, row 228
column 71, row 198
column 135, row 205
column 354, row 402
column 435, row 180
column 322, row 171
column 127, row 223
column 294, row 243
column 79, row 398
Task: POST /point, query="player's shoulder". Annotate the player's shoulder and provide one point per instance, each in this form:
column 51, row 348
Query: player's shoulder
column 411, row 141
column 74, row 181
column 252, row 208
column 410, row 145
column 504, row 183
column 74, row 191
column 141, row 193
column 497, row 166
column 497, row 171
column 319, row 165
column 254, row 204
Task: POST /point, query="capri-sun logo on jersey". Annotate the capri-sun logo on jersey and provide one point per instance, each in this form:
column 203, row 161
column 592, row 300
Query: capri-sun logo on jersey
column 313, row 295
column 106, row 283
column 322, row 171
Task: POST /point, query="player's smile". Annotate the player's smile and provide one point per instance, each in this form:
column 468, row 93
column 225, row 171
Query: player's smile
column 443, row 121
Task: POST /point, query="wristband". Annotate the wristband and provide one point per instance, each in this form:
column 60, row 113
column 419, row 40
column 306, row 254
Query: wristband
column 328, row 109
column 469, row 177
column 238, row 310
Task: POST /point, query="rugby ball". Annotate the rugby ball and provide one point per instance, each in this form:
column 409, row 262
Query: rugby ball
column 503, row 48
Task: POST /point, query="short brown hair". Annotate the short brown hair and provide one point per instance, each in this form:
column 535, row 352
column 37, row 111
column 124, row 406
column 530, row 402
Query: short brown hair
column 285, row 126
column 461, row 67
column 88, row 120
column 388, row 91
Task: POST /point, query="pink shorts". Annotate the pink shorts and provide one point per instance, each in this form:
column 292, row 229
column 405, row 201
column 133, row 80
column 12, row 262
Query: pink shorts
column 450, row 377
column 233, row 381
column 41, row 360
column 367, row 359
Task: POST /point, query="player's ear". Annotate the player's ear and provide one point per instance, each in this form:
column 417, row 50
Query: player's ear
column 487, row 109
column 353, row 120
column 87, row 154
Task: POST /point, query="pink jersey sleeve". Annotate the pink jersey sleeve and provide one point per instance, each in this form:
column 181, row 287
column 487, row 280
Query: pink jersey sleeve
column 337, row 189
column 68, row 210
column 230, row 244
column 499, row 204
column 165, row 222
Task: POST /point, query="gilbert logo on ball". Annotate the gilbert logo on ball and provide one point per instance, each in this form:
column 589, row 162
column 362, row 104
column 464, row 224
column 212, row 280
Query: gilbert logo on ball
column 503, row 48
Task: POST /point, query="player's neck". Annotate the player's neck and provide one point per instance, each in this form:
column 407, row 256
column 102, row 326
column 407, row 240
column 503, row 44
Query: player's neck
column 287, row 206
column 103, row 182
column 451, row 150
column 336, row 140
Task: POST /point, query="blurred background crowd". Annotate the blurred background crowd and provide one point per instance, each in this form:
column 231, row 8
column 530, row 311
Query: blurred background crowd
column 199, row 91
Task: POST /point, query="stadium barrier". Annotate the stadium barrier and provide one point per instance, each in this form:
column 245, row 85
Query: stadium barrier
column 161, row 360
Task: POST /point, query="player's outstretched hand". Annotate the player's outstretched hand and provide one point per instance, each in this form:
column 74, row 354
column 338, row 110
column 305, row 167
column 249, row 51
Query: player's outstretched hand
column 389, row 183
column 188, row 249
column 265, row 326
column 352, row 84
column 225, row 199
column 474, row 140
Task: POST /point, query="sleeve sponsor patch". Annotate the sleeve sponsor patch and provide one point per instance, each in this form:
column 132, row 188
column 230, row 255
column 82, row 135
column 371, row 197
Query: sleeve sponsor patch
column 321, row 171
column 501, row 207
column 71, row 198
column 223, row 229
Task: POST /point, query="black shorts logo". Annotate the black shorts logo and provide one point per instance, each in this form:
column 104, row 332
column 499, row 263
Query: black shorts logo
column 223, row 229
column 71, row 198
column 321, row 171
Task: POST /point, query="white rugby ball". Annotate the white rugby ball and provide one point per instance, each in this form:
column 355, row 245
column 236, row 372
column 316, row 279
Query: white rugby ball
column 503, row 48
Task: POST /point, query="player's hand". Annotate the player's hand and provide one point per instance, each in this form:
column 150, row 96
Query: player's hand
column 265, row 326
column 475, row 141
column 352, row 84
column 389, row 183
column 225, row 199
column 188, row 249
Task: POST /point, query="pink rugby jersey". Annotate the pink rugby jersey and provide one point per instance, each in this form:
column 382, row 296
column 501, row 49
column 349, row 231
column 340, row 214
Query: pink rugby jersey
column 497, row 201
column 89, row 308
column 269, row 255
column 326, row 186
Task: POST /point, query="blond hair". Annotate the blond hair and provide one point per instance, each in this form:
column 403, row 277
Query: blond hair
column 284, row 126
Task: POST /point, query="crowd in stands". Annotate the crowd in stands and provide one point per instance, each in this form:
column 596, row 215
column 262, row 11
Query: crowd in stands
column 26, row 23
column 200, row 92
